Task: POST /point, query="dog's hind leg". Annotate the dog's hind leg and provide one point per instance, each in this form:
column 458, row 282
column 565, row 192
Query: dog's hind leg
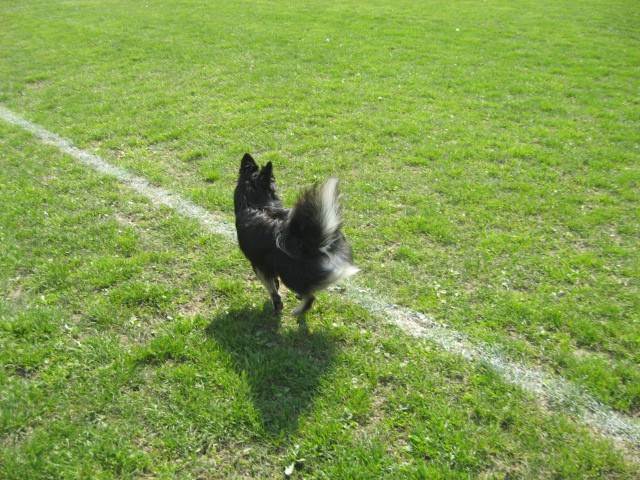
column 305, row 304
column 272, row 285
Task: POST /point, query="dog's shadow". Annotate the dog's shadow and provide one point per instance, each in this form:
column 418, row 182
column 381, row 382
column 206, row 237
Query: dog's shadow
column 284, row 367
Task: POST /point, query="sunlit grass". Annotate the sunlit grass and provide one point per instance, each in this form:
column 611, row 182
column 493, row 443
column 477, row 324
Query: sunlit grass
column 488, row 162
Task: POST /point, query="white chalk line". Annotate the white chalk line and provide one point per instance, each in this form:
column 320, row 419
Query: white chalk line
column 158, row 195
column 553, row 390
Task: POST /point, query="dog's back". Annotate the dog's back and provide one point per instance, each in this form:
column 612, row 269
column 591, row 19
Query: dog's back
column 258, row 210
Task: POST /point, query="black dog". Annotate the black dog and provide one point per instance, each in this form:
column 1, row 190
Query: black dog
column 302, row 246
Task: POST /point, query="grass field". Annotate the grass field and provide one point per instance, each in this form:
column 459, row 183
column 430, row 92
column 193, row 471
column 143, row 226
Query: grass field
column 488, row 157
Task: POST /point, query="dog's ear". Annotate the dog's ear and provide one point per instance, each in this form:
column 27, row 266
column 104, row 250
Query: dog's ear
column 266, row 175
column 267, row 171
column 248, row 164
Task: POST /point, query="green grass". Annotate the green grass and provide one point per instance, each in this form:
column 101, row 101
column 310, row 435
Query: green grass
column 488, row 157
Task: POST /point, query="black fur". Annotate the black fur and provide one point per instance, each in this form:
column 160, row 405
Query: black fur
column 302, row 246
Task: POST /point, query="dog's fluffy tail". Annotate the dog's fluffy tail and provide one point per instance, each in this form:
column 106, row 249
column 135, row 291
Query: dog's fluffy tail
column 315, row 223
column 316, row 218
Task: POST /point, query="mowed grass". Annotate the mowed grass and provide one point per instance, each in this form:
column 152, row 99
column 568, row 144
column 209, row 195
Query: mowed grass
column 135, row 345
column 488, row 155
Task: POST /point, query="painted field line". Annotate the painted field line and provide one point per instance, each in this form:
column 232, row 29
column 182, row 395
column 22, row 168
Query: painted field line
column 158, row 195
column 553, row 390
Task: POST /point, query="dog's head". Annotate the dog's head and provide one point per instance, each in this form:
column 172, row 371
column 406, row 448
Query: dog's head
column 258, row 185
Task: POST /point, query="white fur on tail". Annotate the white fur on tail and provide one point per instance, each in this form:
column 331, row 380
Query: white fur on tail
column 330, row 215
column 339, row 267
column 331, row 219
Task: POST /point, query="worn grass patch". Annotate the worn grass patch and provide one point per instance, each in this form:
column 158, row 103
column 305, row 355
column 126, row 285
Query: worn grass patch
column 488, row 159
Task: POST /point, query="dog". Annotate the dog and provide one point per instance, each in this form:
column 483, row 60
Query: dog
column 303, row 246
